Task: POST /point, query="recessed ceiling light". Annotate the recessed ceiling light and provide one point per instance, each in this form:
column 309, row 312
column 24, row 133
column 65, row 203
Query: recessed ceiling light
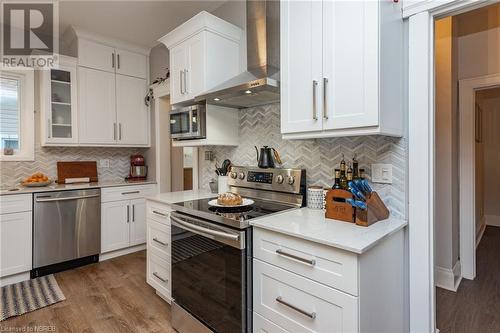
column 248, row 92
column 216, row 99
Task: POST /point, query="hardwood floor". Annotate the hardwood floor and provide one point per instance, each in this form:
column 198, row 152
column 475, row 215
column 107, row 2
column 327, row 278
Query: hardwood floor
column 475, row 307
column 111, row 296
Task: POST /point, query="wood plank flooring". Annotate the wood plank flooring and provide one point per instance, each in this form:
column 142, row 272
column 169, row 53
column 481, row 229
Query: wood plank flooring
column 110, row 296
column 475, row 307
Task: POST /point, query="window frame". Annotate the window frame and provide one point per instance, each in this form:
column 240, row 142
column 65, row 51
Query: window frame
column 26, row 79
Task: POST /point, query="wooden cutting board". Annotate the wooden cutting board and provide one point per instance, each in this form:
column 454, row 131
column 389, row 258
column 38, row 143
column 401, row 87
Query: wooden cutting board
column 86, row 169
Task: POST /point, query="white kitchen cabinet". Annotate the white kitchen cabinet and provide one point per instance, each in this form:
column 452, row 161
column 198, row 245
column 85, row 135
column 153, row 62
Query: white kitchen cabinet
column 97, row 115
column 304, row 286
column 131, row 63
column 96, row 55
column 115, row 225
column 15, row 238
column 342, row 68
column 132, row 115
column 58, row 104
column 204, row 52
column 123, row 216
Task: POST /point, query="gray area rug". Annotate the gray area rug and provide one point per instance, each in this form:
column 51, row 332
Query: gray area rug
column 27, row 296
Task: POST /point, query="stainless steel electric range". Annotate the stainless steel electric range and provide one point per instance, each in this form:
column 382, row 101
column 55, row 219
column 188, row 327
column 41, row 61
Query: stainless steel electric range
column 212, row 250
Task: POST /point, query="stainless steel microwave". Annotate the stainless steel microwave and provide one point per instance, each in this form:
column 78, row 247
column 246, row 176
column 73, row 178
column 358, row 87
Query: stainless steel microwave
column 188, row 122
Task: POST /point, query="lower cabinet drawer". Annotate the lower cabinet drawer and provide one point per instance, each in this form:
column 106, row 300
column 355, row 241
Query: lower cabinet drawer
column 298, row 304
column 158, row 273
column 158, row 238
column 158, row 212
column 262, row 325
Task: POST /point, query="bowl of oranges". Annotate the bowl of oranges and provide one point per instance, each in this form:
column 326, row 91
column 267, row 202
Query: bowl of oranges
column 36, row 180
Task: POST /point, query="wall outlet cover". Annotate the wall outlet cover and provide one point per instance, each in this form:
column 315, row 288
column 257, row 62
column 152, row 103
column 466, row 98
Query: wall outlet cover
column 381, row 173
column 104, row 163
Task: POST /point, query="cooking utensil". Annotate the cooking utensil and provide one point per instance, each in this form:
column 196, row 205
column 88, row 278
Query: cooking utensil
column 225, row 166
column 266, row 159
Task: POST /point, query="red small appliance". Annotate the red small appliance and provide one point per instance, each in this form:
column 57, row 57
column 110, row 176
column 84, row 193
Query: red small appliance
column 138, row 168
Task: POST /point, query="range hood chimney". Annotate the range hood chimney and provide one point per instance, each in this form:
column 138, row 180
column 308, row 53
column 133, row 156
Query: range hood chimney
column 259, row 85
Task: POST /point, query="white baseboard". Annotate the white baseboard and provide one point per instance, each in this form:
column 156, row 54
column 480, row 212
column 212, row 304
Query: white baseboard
column 121, row 252
column 448, row 279
column 481, row 232
column 493, row 220
column 6, row 280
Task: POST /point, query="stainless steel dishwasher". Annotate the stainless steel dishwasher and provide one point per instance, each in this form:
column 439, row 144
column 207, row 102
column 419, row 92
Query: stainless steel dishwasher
column 66, row 230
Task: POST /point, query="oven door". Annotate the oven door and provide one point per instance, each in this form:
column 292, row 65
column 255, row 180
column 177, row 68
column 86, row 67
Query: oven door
column 210, row 274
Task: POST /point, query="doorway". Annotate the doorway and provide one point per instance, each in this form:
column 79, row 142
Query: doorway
column 184, row 161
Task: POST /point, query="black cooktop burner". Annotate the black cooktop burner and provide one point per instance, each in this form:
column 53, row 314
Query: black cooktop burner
column 240, row 215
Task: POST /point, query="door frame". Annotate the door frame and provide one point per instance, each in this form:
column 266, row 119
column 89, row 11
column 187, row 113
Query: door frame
column 421, row 166
column 467, row 167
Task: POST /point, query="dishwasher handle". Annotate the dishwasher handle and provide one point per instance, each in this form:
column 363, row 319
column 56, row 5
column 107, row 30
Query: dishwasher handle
column 68, row 198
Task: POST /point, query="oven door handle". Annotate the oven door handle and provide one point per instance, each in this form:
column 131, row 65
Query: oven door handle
column 198, row 229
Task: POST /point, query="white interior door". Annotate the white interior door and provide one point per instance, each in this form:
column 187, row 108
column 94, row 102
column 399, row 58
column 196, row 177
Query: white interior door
column 131, row 113
column 97, row 107
column 301, row 66
column 350, row 64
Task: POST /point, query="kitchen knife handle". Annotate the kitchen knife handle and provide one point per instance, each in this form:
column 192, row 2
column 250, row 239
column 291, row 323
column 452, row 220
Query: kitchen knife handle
column 315, row 113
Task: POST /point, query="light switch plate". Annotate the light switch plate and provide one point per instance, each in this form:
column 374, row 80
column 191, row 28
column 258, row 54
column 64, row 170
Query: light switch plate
column 382, row 173
column 104, row 163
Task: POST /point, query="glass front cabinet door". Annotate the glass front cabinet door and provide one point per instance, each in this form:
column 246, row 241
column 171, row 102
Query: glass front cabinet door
column 59, row 104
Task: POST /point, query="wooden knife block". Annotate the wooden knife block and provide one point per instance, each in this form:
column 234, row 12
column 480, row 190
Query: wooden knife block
column 336, row 206
column 375, row 212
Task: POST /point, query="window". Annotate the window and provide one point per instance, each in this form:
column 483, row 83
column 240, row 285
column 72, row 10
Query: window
column 16, row 114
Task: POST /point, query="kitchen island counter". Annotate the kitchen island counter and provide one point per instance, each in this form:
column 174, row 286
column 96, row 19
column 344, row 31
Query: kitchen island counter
column 311, row 224
column 173, row 197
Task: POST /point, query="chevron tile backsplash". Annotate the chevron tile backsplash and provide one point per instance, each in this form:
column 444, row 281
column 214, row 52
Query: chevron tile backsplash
column 260, row 126
column 46, row 158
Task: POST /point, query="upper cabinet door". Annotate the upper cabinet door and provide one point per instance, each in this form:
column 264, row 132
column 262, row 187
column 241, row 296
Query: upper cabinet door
column 301, row 62
column 96, row 56
column 131, row 112
column 131, row 63
column 350, row 64
column 178, row 67
column 97, row 109
column 195, row 70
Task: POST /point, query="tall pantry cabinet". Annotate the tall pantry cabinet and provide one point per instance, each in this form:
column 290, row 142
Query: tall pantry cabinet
column 341, row 68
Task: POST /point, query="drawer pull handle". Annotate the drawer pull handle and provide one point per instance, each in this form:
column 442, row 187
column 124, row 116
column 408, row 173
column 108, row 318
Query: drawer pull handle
column 160, row 242
column 158, row 213
column 311, row 262
column 156, row 275
column 131, row 192
column 311, row 315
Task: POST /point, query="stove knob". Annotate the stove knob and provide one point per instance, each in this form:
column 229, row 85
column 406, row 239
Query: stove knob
column 290, row 180
column 280, row 179
column 233, row 175
column 241, row 175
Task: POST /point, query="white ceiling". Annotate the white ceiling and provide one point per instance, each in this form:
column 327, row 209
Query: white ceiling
column 139, row 22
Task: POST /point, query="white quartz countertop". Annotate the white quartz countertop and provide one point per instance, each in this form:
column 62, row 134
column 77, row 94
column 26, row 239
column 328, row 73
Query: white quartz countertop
column 311, row 224
column 62, row 187
column 173, row 197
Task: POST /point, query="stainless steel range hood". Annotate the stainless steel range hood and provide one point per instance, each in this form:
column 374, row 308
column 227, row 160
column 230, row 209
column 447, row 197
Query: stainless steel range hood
column 259, row 85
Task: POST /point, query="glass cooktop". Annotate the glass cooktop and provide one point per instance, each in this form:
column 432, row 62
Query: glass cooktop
column 232, row 216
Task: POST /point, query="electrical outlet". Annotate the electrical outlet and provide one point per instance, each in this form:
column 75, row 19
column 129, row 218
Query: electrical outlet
column 381, row 173
column 104, row 163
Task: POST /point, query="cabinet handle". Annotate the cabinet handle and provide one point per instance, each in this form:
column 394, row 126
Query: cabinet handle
column 131, row 192
column 128, row 213
column 114, row 131
column 133, row 213
column 112, row 60
column 118, row 60
column 160, row 242
column 186, row 86
column 158, row 213
column 325, row 94
column 49, row 128
column 311, row 262
column 311, row 315
column 315, row 114
column 156, row 275
column 119, row 131
column 180, row 82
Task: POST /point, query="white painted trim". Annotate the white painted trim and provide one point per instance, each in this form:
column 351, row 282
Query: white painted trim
column 441, row 7
column 447, row 278
column 196, row 166
column 163, row 297
column 121, row 252
column 162, row 138
column 480, row 234
column 493, row 220
column 467, row 169
column 421, row 173
column 15, row 278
